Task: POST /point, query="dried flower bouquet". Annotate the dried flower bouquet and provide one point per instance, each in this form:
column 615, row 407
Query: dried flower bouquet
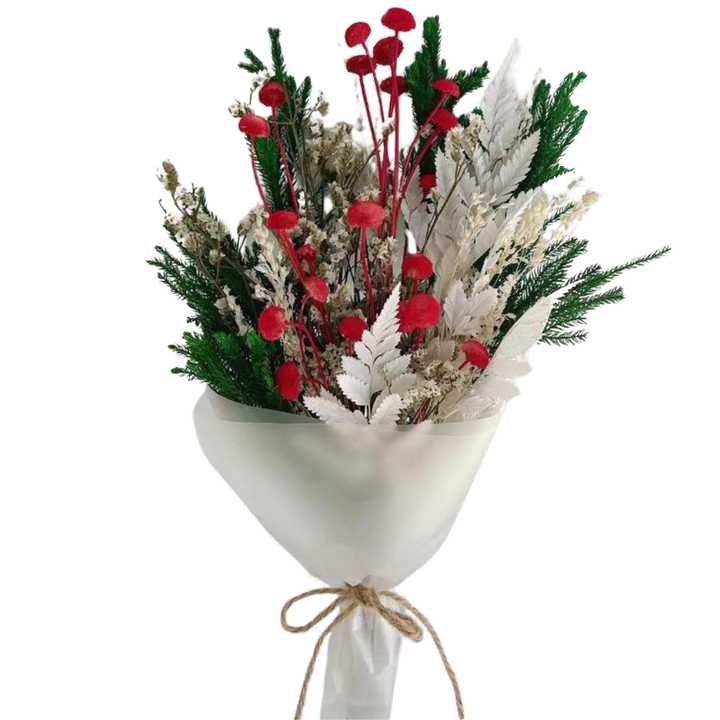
column 391, row 292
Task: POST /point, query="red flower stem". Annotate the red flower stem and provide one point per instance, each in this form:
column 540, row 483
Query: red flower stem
column 257, row 177
column 290, row 249
column 375, row 78
column 366, row 271
column 370, row 120
column 316, row 352
column 312, row 381
column 326, row 322
column 285, row 162
column 396, row 168
column 418, row 160
column 419, row 338
column 420, row 132
column 349, row 347
column 464, row 364
column 300, row 342
column 416, row 281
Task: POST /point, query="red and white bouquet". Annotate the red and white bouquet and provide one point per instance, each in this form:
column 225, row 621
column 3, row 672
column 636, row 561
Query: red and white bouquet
column 371, row 315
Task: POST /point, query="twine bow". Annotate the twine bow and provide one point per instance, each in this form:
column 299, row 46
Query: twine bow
column 352, row 597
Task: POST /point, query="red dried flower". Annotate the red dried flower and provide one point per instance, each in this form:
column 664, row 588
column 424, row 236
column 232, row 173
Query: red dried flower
column 387, row 50
column 427, row 183
column 421, row 311
column 360, row 65
column 272, row 94
column 447, row 87
column 352, row 328
column 399, row 20
column 417, row 267
column 387, row 85
column 405, row 324
column 288, row 379
column 476, row 354
column 282, row 220
column 309, row 253
column 444, row 120
column 254, row 126
column 271, row 322
column 316, row 288
column 366, row 214
column 357, row 34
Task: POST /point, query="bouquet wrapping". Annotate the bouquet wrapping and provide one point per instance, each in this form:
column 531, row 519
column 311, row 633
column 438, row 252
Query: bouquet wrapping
column 353, row 507
column 362, row 329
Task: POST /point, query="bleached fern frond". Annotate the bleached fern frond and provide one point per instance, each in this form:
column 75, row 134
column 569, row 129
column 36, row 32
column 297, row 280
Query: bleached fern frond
column 329, row 409
column 388, row 411
column 463, row 315
column 497, row 384
column 499, row 105
column 379, row 361
column 508, row 174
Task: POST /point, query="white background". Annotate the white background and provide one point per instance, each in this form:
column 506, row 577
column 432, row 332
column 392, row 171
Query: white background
column 581, row 580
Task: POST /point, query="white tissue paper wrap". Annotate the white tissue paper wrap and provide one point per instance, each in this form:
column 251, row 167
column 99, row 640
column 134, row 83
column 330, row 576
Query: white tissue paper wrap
column 354, row 505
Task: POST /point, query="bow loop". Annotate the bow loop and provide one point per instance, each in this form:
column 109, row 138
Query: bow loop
column 349, row 599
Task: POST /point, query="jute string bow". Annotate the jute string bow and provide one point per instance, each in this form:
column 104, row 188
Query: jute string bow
column 349, row 599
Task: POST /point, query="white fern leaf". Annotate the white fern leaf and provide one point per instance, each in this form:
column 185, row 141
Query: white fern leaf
column 329, row 409
column 388, row 411
column 510, row 173
column 354, row 389
column 379, row 360
column 457, row 310
column 500, row 100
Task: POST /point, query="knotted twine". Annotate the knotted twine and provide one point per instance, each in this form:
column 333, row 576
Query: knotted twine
column 353, row 597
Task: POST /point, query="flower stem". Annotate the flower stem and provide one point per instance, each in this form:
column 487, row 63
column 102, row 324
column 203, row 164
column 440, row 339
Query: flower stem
column 290, row 183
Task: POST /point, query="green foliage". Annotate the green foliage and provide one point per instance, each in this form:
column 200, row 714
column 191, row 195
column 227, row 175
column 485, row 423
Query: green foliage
column 582, row 291
column 239, row 367
column 427, row 67
column 559, row 122
column 254, row 65
column 292, row 121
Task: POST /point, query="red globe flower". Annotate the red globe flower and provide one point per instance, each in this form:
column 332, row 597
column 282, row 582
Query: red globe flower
column 417, row 267
column 272, row 94
column 282, row 220
column 352, row 328
column 387, row 85
column 288, row 380
column 360, row 65
column 309, row 253
column 399, row 20
column 405, row 324
column 447, row 87
column 254, row 126
column 476, row 354
column 316, row 288
column 422, row 311
column 271, row 323
column 366, row 214
column 444, row 120
column 357, row 34
column 427, row 183
column 387, row 50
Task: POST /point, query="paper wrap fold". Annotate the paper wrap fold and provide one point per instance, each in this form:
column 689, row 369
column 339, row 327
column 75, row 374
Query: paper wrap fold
column 354, row 505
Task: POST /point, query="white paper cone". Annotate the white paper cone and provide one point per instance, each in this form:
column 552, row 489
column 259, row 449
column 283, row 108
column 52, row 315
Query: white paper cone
column 353, row 504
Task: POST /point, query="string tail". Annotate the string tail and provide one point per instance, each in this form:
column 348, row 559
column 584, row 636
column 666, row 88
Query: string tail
column 356, row 596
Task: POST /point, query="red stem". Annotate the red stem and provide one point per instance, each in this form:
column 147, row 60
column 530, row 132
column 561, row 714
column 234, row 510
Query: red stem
column 366, row 271
column 420, row 132
column 285, row 162
column 326, row 322
column 418, row 160
column 464, row 364
column 257, row 177
column 396, row 168
column 419, row 338
column 370, row 120
column 377, row 84
column 316, row 352
column 290, row 249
